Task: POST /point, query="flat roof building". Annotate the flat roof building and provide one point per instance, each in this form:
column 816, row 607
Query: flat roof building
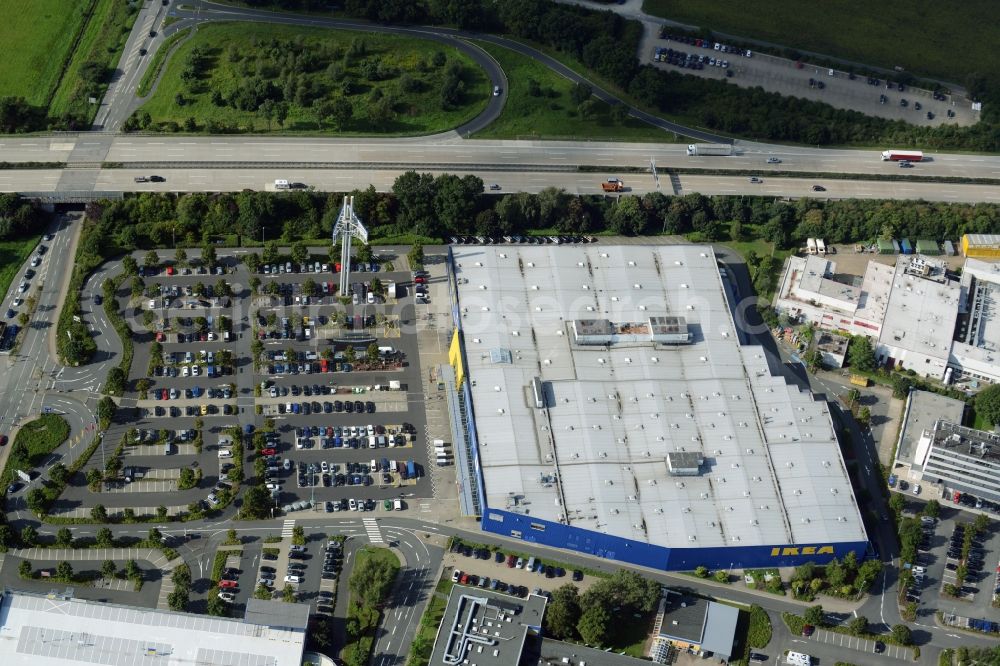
column 486, row 628
column 697, row 625
column 809, row 291
column 920, row 317
column 975, row 353
column 595, row 468
column 57, row 630
column 981, row 245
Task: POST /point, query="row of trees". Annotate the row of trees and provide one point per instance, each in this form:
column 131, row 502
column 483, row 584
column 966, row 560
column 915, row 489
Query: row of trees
column 437, row 207
column 841, row 578
column 590, row 616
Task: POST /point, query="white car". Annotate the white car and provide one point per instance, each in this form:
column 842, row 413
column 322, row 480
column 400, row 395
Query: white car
column 324, row 466
column 272, row 486
column 773, row 160
column 326, row 268
column 185, row 371
column 352, row 504
column 195, row 370
column 292, row 578
column 496, row 91
column 228, row 597
column 152, row 304
column 18, row 302
column 225, row 453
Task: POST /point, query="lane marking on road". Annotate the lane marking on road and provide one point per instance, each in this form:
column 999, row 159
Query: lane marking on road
column 287, row 528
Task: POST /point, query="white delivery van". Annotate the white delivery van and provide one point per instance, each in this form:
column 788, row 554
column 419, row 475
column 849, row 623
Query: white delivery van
column 798, row 659
column 282, row 185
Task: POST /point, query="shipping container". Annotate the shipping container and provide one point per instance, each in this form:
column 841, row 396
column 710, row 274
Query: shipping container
column 905, row 246
column 928, row 247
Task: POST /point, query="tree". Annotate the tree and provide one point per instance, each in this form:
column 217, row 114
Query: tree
column 23, row 319
column 154, row 536
column 36, row 500
column 902, row 634
column 129, row 265
column 151, row 260
column 298, row 535
column 270, row 253
column 987, row 404
column 339, row 112
column 594, row 625
column 105, row 538
column 288, row 594
column 370, row 581
column 814, row 615
column 215, row 605
column 99, row 513
column 860, row 355
column 232, row 537
column 115, row 382
column 416, row 256
column 563, row 612
column 180, row 256
column 865, row 416
column 300, row 253
column 24, row 569
column 262, row 592
column 981, row 523
column 852, row 397
column 181, row 577
column 858, row 625
column 108, row 569
column 896, row 503
column 701, row 572
column 161, row 512
column 371, row 353
column 64, row 571
column 29, row 536
column 628, row 218
column 64, row 538
column 106, row 411
column 132, row 570
column 256, row 503
column 178, row 599
column 932, row 509
column 94, row 477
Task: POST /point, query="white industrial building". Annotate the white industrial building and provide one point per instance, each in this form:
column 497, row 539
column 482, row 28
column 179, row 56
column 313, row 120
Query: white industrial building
column 920, row 318
column 976, row 350
column 809, row 293
column 59, row 630
column 617, row 412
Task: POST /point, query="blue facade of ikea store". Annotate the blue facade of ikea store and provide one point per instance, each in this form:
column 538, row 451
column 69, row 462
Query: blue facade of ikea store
column 613, row 547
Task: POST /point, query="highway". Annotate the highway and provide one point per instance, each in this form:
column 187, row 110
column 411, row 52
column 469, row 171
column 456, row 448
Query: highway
column 346, row 179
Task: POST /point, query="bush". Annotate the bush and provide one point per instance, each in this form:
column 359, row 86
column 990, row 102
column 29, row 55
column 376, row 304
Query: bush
column 759, row 632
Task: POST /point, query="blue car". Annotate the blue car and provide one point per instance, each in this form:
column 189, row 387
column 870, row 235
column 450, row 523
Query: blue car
column 10, row 314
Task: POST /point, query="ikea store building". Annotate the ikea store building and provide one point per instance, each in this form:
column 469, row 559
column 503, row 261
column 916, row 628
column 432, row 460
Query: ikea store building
column 610, row 406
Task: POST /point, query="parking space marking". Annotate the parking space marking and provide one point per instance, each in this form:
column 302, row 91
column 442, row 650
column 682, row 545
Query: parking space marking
column 371, row 527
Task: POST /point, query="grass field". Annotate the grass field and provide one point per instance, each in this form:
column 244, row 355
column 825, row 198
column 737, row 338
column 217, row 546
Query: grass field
column 552, row 113
column 13, row 254
column 34, row 441
column 102, row 43
column 35, row 40
column 925, row 37
column 242, row 52
column 159, row 60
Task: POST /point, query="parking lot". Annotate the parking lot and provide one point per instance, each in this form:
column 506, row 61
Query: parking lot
column 338, row 379
column 506, row 572
column 862, row 645
column 938, row 560
column 840, row 89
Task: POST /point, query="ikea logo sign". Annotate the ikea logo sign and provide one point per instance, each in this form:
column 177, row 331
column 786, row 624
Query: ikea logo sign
column 804, row 550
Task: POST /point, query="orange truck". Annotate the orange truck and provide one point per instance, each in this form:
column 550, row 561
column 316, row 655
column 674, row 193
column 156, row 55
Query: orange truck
column 613, row 185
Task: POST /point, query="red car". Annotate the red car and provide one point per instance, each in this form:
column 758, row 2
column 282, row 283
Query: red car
column 170, row 270
column 420, row 280
column 161, row 336
column 163, row 394
column 464, row 579
column 268, row 452
column 510, row 561
column 228, row 584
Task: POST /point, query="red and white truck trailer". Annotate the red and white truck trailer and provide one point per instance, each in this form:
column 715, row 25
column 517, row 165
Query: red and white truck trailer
column 902, row 155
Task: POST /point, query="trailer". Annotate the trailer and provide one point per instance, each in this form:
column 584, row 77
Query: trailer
column 820, row 246
column 811, row 245
column 949, row 248
column 905, row 246
column 902, row 156
column 709, row 149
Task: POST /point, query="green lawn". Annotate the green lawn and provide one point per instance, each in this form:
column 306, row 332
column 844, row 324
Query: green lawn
column 423, row 641
column 34, row 441
column 244, row 60
column 13, row 254
column 35, row 40
column 365, row 618
column 159, row 59
column 926, row 37
column 550, row 112
column 102, row 43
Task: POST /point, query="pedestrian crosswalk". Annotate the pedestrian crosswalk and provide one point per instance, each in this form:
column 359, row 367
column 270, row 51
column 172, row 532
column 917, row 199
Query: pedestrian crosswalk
column 287, row 528
column 374, row 533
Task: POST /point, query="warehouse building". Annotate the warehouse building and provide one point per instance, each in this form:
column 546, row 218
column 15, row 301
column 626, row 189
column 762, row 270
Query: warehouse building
column 811, row 292
column 58, row 630
column 974, row 353
column 613, row 409
column 920, row 318
column 695, row 625
column 981, row 246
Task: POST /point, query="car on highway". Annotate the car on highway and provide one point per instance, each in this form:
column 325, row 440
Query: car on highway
column 818, row 188
column 495, row 186
column 755, row 179
column 773, row 160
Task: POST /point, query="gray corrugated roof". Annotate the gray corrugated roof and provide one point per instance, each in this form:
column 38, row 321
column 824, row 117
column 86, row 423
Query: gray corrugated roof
column 720, row 629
